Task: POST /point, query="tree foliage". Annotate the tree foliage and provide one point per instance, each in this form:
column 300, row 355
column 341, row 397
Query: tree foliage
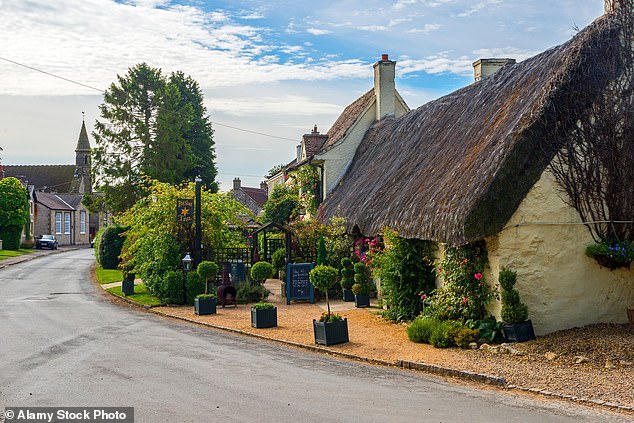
column 14, row 212
column 155, row 126
column 156, row 242
column 282, row 205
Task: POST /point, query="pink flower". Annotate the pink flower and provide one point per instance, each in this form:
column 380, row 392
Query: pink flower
column 422, row 297
column 464, row 300
column 478, row 276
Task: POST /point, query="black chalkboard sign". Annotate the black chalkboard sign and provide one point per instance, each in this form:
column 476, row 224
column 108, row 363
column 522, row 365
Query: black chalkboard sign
column 298, row 286
column 237, row 272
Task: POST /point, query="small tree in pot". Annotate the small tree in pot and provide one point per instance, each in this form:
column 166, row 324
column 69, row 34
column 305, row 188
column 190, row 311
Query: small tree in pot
column 362, row 286
column 263, row 315
column 514, row 313
column 206, row 303
column 347, row 278
column 331, row 328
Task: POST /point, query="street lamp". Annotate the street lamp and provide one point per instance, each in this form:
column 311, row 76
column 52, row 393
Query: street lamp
column 187, row 267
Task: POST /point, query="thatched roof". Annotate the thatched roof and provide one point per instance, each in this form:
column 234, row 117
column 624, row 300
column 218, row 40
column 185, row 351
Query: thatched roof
column 455, row 169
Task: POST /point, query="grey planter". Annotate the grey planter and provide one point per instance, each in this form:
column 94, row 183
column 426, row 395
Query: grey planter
column 519, row 332
column 330, row 333
column 348, row 295
column 263, row 317
column 203, row 306
column 127, row 286
column 361, row 300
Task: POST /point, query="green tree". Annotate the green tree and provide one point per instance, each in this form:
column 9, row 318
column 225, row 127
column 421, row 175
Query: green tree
column 156, row 242
column 151, row 125
column 14, row 212
column 283, row 204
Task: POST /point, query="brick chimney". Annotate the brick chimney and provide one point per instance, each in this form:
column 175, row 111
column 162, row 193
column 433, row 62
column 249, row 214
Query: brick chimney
column 384, row 88
column 236, row 183
column 483, row 68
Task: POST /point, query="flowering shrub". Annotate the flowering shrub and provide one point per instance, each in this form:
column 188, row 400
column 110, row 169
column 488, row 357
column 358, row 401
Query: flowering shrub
column 465, row 293
column 612, row 254
column 365, row 248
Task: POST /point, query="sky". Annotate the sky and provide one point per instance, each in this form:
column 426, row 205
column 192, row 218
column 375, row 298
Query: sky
column 269, row 67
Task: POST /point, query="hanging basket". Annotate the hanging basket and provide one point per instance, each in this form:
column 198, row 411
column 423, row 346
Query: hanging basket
column 611, row 263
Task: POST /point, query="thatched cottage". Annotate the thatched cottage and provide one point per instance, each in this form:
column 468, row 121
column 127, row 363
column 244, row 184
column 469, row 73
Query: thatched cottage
column 473, row 165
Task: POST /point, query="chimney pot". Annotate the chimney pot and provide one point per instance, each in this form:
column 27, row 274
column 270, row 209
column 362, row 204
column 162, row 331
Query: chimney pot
column 385, row 57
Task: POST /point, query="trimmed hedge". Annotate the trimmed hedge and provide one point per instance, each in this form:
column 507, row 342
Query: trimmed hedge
column 170, row 288
column 110, row 244
column 195, row 285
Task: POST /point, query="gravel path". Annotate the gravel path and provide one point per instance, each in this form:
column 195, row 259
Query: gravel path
column 594, row 363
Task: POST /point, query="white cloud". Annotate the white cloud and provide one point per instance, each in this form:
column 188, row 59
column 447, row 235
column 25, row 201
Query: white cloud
column 318, row 31
column 426, row 29
column 478, row 7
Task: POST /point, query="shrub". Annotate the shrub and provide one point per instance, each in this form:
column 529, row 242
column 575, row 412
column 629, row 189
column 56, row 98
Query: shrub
column 362, row 285
column 513, row 310
column 405, row 268
column 347, row 273
column 110, row 246
column 170, row 288
column 261, row 271
column 420, row 329
column 489, row 329
column 194, row 285
column 263, row 306
column 248, row 293
column 14, row 212
column 444, row 333
column 206, row 296
column 10, row 236
column 278, row 260
column 207, row 271
column 466, row 336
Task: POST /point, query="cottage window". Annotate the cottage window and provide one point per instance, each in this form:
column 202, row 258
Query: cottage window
column 82, row 222
column 67, row 223
column 58, row 222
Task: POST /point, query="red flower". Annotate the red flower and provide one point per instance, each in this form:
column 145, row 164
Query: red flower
column 478, row 276
column 464, row 300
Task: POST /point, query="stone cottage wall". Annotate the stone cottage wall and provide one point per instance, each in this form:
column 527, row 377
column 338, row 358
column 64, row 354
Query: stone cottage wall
column 545, row 242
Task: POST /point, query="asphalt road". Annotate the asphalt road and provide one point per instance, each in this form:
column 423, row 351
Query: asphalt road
column 63, row 344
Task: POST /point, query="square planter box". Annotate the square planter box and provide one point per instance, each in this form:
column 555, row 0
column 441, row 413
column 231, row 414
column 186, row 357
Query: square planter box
column 204, row 306
column 330, row 333
column 361, row 301
column 263, row 318
column 519, row 332
column 127, row 286
column 348, row 295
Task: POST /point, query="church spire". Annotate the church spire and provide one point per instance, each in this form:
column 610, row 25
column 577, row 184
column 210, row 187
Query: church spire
column 83, row 144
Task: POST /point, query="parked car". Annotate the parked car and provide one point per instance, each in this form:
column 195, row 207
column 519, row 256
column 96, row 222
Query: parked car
column 46, row 241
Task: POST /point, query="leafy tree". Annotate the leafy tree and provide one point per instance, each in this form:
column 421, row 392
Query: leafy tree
column 14, row 212
column 156, row 242
column 155, row 126
column 282, row 205
column 275, row 170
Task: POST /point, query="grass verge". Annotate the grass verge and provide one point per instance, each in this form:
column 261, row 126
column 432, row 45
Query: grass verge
column 141, row 295
column 14, row 253
column 108, row 275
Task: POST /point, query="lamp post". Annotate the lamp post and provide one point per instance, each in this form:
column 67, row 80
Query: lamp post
column 198, row 237
column 187, row 267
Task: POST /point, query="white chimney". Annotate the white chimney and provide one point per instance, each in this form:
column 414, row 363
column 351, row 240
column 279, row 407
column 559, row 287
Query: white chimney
column 384, row 88
column 483, row 68
column 611, row 6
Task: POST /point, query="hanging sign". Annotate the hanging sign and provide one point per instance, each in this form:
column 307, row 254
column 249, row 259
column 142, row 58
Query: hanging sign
column 185, row 211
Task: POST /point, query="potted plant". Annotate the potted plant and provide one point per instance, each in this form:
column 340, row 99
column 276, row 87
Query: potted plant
column 362, row 286
column 263, row 315
column 206, row 303
column 278, row 260
column 517, row 327
column 347, row 278
column 612, row 254
column 127, row 286
column 330, row 329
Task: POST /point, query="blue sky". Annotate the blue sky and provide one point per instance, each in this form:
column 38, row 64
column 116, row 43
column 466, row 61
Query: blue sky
column 276, row 67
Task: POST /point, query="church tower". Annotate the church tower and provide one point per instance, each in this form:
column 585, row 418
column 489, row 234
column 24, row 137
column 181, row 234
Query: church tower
column 82, row 161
